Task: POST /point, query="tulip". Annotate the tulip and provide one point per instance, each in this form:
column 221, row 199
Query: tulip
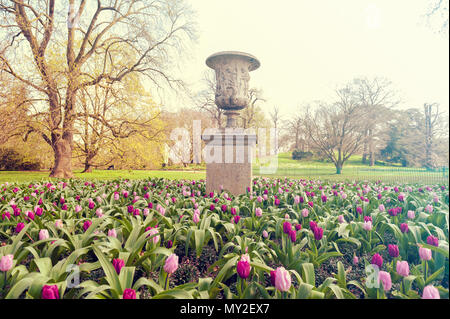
column 50, row 292
column 87, row 224
column 277, row 201
column 151, row 232
column 171, row 264
column 19, row 227
column 236, row 219
column 359, row 210
column 403, row 268
column 282, row 279
column 298, row 227
column 377, row 260
column 293, row 235
column 296, row 199
column 287, row 227
column 425, row 253
column 318, row 233
column 385, row 278
column 305, row 212
column 224, row 208
column 273, row 274
column 393, row 251
column 433, row 241
column 129, row 294
column 243, row 269
column 312, row 225
column 112, row 233
column 411, row 214
column 430, row 292
column 265, row 234
column 118, row 264
column 59, row 224
column 258, row 212
column 6, row 215
column 429, row 208
column 404, row 228
column 196, row 218
column 355, row 260
column 381, row 208
column 367, row 225
column 6, row 262
column 99, row 212
column 78, row 208
column 43, row 234
column 341, row 219
column 30, row 215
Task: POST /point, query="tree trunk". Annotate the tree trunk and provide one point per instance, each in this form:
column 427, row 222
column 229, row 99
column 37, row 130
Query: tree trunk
column 338, row 168
column 87, row 167
column 364, row 156
column 63, row 159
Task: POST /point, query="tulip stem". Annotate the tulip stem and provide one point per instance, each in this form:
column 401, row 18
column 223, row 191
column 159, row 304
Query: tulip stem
column 167, row 280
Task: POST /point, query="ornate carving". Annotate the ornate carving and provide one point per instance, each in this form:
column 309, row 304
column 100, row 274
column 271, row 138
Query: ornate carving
column 232, row 77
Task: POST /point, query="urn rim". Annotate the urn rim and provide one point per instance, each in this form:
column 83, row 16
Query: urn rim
column 254, row 62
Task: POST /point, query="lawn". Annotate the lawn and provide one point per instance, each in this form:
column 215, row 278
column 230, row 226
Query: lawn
column 286, row 167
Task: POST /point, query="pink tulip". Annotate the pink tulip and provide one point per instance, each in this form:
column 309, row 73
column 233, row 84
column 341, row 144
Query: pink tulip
column 367, row 225
column 112, row 233
column 78, row 208
column 265, row 234
column 403, row 268
column 99, row 212
column 430, row 292
column 118, row 264
column 385, row 278
column 305, row 212
column 6, row 262
column 196, row 218
column 43, row 234
column 258, row 212
column 425, row 253
column 59, row 224
column 282, row 279
column 171, row 264
column 411, row 214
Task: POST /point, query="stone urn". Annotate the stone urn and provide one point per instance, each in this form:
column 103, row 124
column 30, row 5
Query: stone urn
column 232, row 76
column 230, row 168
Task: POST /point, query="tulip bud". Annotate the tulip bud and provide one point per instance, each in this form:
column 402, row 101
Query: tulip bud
column 50, row 292
column 171, row 264
column 393, row 251
column 43, row 234
column 118, row 264
column 377, row 260
column 430, row 292
column 385, row 278
column 402, row 268
column 112, row 233
column 282, row 279
column 425, row 253
column 129, row 293
column 6, row 262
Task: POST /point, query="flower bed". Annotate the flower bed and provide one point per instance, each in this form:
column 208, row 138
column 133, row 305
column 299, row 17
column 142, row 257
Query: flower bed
column 160, row 238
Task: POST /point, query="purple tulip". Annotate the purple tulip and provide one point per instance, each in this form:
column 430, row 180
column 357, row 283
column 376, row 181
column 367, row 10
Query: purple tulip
column 287, row 227
column 404, row 228
column 432, row 240
column 87, row 224
column 118, row 264
column 293, row 235
column 243, row 269
column 50, row 292
column 318, row 233
column 129, row 293
column 393, row 251
column 377, row 260
column 19, row 227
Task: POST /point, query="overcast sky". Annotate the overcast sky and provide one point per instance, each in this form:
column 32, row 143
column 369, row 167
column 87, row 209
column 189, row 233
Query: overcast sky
column 309, row 47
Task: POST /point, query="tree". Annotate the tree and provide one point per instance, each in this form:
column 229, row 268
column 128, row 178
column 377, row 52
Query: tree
column 377, row 97
column 432, row 127
column 337, row 130
column 109, row 31
column 117, row 110
column 437, row 15
column 205, row 100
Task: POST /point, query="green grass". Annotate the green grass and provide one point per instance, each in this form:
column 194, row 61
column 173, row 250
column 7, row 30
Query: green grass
column 10, row 176
column 286, row 167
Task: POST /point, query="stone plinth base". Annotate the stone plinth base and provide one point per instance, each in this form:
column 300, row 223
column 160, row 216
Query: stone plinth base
column 228, row 158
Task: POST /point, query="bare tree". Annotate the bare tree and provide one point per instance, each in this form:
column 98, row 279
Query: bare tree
column 433, row 128
column 377, row 97
column 205, row 99
column 251, row 115
column 134, row 36
column 276, row 120
column 437, row 14
column 336, row 130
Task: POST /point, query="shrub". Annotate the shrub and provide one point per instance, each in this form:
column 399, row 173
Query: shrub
column 11, row 160
column 299, row 155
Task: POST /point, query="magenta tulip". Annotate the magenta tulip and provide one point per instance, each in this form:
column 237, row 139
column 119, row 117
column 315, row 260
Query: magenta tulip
column 129, row 294
column 50, row 292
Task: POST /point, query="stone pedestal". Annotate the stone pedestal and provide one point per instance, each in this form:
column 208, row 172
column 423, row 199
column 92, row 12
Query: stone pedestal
column 228, row 158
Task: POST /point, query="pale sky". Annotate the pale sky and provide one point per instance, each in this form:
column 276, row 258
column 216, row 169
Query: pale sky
column 307, row 48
